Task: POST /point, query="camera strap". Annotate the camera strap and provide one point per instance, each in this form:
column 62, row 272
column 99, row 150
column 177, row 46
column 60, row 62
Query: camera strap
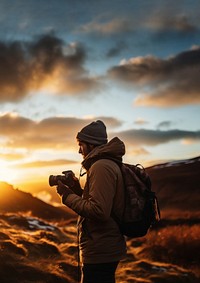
column 82, row 173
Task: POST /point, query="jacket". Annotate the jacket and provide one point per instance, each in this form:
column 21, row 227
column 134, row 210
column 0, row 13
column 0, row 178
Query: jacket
column 100, row 239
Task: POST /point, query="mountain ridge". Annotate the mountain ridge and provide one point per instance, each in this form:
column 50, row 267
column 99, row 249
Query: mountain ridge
column 38, row 240
column 176, row 184
column 15, row 200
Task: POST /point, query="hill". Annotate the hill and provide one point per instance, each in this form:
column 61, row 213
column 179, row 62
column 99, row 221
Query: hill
column 38, row 241
column 14, row 200
column 177, row 184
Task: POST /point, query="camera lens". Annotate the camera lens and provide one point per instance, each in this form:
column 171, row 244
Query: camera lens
column 53, row 180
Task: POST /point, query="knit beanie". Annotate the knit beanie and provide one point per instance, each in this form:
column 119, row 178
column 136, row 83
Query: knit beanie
column 94, row 133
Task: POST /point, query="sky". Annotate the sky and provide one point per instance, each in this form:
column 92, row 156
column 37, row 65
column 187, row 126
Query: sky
column 135, row 64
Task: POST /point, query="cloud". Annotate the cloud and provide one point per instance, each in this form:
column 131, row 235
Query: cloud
column 158, row 21
column 140, row 121
column 43, row 63
column 164, row 21
column 163, row 82
column 45, row 163
column 58, row 133
column 156, row 16
column 165, row 124
column 108, row 27
column 138, row 151
column 11, row 156
column 140, row 137
column 52, row 133
column 117, row 49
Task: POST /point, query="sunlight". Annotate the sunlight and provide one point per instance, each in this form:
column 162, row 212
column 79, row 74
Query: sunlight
column 6, row 174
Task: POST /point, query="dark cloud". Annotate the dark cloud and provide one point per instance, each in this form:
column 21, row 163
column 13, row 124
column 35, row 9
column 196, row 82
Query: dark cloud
column 155, row 137
column 182, row 23
column 51, row 133
column 165, row 124
column 165, row 21
column 117, row 49
column 44, row 63
column 170, row 82
column 60, row 132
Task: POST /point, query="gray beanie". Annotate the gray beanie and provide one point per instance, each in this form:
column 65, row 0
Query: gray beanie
column 94, row 133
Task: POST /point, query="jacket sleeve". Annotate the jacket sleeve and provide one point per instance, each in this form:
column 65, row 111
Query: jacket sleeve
column 102, row 188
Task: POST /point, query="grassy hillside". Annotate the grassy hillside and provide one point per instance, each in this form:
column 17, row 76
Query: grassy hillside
column 38, row 241
column 14, row 200
column 177, row 184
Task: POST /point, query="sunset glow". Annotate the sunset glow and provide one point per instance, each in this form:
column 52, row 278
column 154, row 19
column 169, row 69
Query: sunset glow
column 133, row 64
column 7, row 174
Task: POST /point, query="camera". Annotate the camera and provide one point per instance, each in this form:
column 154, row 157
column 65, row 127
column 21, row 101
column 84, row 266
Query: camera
column 68, row 178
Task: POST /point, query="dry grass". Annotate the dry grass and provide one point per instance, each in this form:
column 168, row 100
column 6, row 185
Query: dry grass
column 178, row 243
column 35, row 249
column 35, row 254
column 41, row 255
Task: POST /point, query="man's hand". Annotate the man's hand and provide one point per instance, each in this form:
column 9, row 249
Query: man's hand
column 63, row 190
column 77, row 187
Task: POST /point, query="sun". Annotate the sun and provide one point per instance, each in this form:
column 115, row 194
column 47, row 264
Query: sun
column 7, row 174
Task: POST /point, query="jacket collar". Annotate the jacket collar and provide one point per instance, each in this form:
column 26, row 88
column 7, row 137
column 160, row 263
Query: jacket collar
column 113, row 150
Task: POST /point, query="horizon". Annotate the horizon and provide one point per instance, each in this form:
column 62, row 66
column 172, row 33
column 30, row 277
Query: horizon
column 133, row 64
column 43, row 191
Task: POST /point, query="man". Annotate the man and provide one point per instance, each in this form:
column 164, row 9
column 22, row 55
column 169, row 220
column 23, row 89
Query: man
column 100, row 207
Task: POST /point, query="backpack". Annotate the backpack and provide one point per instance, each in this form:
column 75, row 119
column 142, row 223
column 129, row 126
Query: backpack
column 141, row 209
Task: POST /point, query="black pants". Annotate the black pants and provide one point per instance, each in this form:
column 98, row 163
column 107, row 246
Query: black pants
column 99, row 273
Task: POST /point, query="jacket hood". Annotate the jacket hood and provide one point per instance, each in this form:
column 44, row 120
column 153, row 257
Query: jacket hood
column 113, row 150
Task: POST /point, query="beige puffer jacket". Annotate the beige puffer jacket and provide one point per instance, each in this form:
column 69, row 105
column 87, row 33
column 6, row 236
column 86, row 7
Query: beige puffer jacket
column 100, row 240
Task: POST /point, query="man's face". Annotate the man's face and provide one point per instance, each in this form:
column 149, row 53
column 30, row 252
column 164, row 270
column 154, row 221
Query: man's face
column 84, row 148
